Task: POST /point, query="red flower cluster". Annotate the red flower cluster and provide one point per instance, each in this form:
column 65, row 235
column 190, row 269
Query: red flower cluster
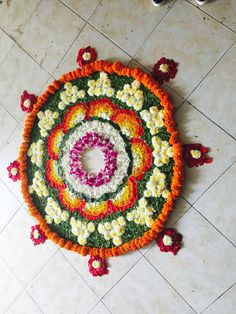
column 97, row 266
column 195, row 155
column 37, row 235
column 86, row 55
column 164, row 70
column 169, row 241
column 14, row 170
column 27, row 101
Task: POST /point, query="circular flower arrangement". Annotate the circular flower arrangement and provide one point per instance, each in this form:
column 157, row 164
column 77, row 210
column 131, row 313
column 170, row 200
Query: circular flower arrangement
column 123, row 115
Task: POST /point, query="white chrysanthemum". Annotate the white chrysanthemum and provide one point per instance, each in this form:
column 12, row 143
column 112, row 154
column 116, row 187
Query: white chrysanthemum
column 131, row 95
column 36, row 152
column 82, row 230
column 113, row 230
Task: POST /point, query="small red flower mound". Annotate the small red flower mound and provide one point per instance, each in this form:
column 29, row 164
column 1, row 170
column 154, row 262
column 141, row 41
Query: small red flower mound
column 86, row 55
column 97, row 266
column 14, row 170
column 37, row 235
column 169, row 241
column 195, row 155
column 164, row 70
column 27, row 101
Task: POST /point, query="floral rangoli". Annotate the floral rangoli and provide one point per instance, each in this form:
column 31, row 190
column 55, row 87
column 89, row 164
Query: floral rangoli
column 120, row 116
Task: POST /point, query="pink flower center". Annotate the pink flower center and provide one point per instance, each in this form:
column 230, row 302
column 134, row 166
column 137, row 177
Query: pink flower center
column 167, row 240
column 87, row 56
column 164, row 68
column 94, row 171
column 196, row 154
column 14, row 171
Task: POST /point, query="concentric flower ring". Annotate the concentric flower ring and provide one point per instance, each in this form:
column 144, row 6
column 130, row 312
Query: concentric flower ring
column 123, row 206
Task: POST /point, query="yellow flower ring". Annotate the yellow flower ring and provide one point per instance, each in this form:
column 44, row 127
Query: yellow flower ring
column 124, row 113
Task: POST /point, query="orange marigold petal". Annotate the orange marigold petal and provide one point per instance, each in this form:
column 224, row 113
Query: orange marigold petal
column 128, row 195
column 74, row 115
column 54, row 142
column 70, row 201
column 128, row 120
column 53, row 176
column 143, row 160
column 100, row 107
column 97, row 210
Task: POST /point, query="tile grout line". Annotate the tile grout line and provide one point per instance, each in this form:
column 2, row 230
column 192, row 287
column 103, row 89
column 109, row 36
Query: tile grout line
column 219, row 297
column 106, row 307
column 214, row 226
column 138, row 260
column 168, row 10
column 212, row 16
column 18, row 123
column 20, row 283
column 15, row 39
column 169, row 284
column 213, row 121
column 86, row 22
column 5, row 226
column 100, row 299
column 204, row 77
column 85, row 281
column 113, row 42
column 228, row 168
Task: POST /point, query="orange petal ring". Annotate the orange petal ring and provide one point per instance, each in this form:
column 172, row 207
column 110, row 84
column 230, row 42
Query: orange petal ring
column 128, row 195
column 128, row 119
column 144, row 153
column 72, row 203
column 54, row 141
column 71, row 117
column 53, row 176
column 97, row 107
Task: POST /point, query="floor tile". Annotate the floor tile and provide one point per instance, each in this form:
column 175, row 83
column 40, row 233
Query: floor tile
column 128, row 23
column 9, row 284
column 117, row 267
column 181, row 207
column 23, row 305
column 89, row 36
column 19, row 72
column 14, row 14
column 8, row 124
column 83, row 7
column 100, row 309
column 41, row 38
column 223, row 11
column 5, row 44
column 59, row 289
column 9, row 153
column 198, row 272
column 194, row 127
column 18, row 250
column 133, row 292
column 226, row 304
column 184, row 40
column 215, row 97
column 176, row 99
column 219, row 202
column 11, row 205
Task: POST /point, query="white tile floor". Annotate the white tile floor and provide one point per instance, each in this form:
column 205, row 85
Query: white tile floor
column 39, row 40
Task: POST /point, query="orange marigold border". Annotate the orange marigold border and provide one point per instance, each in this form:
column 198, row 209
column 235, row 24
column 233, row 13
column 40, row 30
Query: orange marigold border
column 177, row 179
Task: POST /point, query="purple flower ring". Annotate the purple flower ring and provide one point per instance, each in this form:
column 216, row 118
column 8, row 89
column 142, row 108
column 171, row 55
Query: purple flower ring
column 90, row 141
